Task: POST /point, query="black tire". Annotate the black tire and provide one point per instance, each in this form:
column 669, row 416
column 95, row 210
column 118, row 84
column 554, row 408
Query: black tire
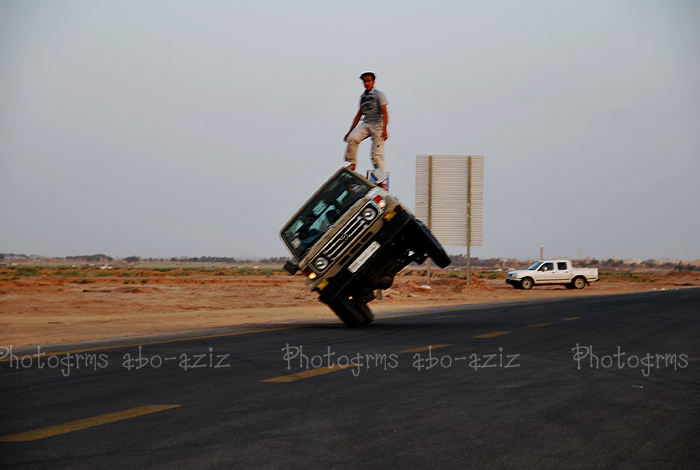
column 352, row 312
column 427, row 242
column 366, row 312
column 527, row 283
column 579, row 282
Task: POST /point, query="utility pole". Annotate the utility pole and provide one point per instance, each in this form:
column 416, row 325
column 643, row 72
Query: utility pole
column 469, row 221
column 430, row 208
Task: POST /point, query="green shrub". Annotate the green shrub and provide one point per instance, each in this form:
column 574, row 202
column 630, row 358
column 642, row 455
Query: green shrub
column 27, row 271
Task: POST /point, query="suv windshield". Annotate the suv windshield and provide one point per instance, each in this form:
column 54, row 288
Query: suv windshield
column 312, row 220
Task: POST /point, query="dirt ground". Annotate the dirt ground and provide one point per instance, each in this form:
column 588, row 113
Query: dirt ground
column 45, row 310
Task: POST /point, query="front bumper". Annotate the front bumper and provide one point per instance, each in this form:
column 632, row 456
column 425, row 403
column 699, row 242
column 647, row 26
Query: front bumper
column 380, row 264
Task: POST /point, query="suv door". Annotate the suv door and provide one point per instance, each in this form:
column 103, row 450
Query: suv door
column 546, row 273
column 562, row 273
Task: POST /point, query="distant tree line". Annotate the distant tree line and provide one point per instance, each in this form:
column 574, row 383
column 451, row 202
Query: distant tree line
column 12, row 255
column 209, row 259
column 98, row 258
column 457, row 261
column 205, row 259
column 225, row 259
column 613, row 263
column 495, row 263
column 279, row 260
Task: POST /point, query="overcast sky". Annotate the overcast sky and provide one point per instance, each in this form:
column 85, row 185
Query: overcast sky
column 181, row 128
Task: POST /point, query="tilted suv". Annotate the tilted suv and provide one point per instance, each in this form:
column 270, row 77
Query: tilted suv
column 350, row 239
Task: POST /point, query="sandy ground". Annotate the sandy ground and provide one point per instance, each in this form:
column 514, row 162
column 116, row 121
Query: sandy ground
column 51, row 310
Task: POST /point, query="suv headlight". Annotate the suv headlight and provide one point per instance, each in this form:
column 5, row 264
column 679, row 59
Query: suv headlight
column 369, row 213
column 320, row 263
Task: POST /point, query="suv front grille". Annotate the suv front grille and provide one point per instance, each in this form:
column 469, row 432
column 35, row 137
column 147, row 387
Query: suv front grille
column 345, row 237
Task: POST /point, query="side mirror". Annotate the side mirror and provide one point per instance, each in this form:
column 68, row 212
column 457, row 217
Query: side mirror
column 291, row 267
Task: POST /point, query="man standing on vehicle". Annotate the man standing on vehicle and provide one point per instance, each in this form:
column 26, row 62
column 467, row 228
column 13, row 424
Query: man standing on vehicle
column 376, row 118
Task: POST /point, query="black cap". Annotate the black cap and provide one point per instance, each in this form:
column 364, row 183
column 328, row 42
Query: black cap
column 371, row 74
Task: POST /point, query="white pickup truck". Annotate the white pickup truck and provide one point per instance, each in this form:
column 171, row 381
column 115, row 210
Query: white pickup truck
column 553, row 271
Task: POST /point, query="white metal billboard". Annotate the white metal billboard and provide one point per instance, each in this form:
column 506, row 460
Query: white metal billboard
column 450, row 197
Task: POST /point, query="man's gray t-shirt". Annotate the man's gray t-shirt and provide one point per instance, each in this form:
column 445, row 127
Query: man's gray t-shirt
column 370, row 103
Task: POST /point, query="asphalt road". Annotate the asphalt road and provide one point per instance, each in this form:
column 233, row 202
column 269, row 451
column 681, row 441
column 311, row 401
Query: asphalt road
column 586, row 383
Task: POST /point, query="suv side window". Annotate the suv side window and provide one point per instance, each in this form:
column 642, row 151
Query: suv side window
column 547, row 267
column 561, row 265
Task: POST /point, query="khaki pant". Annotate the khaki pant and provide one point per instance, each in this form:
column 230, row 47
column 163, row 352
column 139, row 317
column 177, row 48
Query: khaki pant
column 360, row 133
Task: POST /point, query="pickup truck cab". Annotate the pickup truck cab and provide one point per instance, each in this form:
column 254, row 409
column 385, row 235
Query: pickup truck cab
column 555, row 271
column 351, row 238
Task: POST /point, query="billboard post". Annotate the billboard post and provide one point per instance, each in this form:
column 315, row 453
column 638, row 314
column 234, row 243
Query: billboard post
column 450, row 198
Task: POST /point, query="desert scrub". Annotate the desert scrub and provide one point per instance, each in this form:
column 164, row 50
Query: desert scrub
column 181, row 272
column 628, row 277
column 450, row 275
column 78, row 273
column 73, row 273
column 27, row 271
column 250, row 271
column 492, row 274
column 463, row 274
column 8, row 275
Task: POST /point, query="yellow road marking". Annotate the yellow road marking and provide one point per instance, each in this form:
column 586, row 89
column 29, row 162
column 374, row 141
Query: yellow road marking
column 572, row 318
column 85, row 423
column 327, row 370
column 492, row 335
column 425, row 348
column 336, row 367
column 309, row 373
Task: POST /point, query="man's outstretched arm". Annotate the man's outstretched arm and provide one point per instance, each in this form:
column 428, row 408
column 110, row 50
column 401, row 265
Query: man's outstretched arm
column 385, row 118
column 358, row 116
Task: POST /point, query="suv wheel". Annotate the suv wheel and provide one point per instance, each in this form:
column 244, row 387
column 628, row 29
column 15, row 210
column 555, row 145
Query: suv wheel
column 352, row 312
column 427, row 243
